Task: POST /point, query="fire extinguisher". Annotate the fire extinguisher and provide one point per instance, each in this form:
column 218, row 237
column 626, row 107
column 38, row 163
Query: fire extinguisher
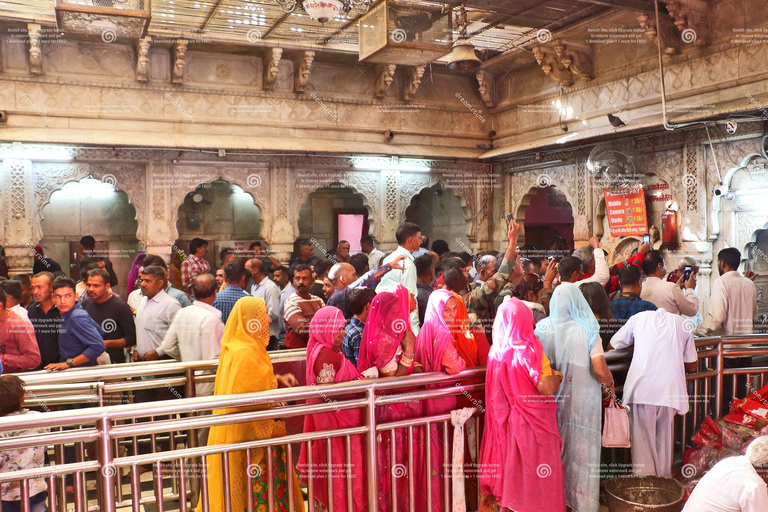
column 669, row 229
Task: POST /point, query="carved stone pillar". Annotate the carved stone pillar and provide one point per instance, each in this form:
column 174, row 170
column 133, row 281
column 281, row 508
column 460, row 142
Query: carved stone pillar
column 552, row 67
column 271, row 62
column 18, row 185
column 486, row 84
column 35, row 49
column 179, row 50
column 303, row 70
column 161, row 221
column 385, row 74
column 282, row 232
column 692, row 20
column 142, row 59
column 412, row 82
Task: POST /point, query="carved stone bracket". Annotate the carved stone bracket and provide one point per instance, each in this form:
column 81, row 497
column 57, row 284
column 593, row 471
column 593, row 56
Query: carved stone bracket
column 552, row 66
column 692, row 19
column 385, row 74
column 142, row 60
column 35, row 50
column 669, row 36
column 576, row 58
column 485, row 83
column 179, row 50
column 303, row 70
column 271, row 61
column 412, row 82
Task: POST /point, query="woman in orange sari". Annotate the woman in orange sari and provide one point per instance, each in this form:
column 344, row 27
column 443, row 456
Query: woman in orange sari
column 245, row 367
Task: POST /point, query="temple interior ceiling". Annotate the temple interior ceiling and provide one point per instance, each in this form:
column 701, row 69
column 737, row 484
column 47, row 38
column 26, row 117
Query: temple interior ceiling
column 494, row 26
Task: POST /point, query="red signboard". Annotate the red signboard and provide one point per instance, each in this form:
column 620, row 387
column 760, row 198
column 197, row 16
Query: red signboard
column 625, row 208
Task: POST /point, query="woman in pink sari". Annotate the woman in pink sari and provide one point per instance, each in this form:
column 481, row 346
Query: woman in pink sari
column 387, row 346
column 436, row 348
column 326, row 364
column 520, row 454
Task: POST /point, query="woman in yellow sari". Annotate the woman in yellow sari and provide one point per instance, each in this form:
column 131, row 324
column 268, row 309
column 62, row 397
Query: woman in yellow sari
column 245, row 367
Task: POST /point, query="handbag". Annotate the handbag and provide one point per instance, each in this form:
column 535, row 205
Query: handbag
column 616, row 426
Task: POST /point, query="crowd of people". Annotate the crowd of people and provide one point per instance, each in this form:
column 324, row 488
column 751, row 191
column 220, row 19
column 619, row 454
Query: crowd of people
column 540, row 320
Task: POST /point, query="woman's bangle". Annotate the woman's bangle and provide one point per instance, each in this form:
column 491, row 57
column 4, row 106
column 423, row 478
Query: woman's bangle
column 405, row 361
column 408, row 356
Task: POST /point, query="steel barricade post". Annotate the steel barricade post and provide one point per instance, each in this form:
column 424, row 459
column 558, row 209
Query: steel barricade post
column 106, row 477
column 370, row 423
column 719, row 380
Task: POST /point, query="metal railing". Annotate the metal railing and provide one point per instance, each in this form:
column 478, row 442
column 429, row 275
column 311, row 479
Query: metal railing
column 97, row 384
column 706, row 385
column 167, row 430
column 110, row 427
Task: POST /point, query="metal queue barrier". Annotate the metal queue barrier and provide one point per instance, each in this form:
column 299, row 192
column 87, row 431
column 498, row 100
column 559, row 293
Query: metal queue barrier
column 705, row 387
column 118, row 483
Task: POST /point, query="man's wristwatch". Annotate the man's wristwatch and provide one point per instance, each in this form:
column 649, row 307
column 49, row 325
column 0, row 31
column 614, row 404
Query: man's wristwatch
column 71, row 362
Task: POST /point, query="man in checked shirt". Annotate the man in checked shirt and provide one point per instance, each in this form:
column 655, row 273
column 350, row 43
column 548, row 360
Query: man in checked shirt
column 194, row 265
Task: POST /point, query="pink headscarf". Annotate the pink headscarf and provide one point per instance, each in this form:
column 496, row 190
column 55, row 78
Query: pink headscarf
column 521, row 433
column 387, row 321
column 322, row 330
column 516, row 341
column 435, row 334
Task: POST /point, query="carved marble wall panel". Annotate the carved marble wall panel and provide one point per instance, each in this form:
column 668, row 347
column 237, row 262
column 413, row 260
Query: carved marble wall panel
column 223, row 70
column 284, row 82
column 356, row 80
column 159, row 65
column 14, row 57
column 89, row 61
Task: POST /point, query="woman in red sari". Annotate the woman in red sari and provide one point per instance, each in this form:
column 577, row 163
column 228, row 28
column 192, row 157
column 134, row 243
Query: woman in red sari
column 520, row 462
column 386, row 350
column 326, row 364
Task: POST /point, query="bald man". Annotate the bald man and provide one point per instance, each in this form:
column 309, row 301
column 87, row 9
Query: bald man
column 344, row 278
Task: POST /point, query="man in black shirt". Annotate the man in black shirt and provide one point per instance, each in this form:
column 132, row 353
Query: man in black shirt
column 45, row 317
column 111, row 313
column 88, row 244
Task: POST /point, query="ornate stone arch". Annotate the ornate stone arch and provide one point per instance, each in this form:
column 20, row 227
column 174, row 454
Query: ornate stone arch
column 253, row 181
column 411, row 185
column 523, row 184
column 725, row 190
column 364, row 184
column 128, row 178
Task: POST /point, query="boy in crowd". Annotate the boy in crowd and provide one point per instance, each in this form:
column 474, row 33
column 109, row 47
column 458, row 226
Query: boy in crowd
column 359, row 304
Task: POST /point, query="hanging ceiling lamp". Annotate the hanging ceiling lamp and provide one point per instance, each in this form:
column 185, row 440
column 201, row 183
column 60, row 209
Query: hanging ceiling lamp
column 463, row 56
column 325, row 10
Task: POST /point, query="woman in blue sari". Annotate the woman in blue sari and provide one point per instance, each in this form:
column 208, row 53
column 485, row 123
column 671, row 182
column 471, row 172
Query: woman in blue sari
column 571, row 341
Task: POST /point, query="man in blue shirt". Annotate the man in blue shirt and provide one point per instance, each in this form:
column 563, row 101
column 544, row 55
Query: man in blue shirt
column 236, row 278
column 629, row 302
column 359, row 304
column 80, row 337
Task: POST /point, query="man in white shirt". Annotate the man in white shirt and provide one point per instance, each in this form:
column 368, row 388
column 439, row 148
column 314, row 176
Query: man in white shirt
column 655, row 388
column 678, row 298
column 153, row 318
column 733, row 303
column 408, row 237
column 588, row 258
column 264, row 288
column 732, row 309
column 154, row 314
column 195, row 333
column 734, row 484
column 374, row 255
